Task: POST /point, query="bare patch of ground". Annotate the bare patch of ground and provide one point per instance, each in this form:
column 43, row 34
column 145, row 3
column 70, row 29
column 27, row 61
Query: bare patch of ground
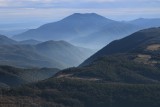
column 153, row 47
column 69, row 76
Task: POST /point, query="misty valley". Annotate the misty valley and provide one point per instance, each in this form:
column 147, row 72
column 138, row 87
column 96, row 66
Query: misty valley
column 82, row 60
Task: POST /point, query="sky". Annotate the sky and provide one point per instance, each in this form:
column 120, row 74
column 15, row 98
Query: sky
column 42, row 11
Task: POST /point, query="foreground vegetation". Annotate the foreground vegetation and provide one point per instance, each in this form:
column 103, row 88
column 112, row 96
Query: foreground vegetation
column 79, row 93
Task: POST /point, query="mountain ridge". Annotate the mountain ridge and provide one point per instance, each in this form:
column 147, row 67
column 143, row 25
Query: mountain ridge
column 14, row 77
column 131, row 60
column 74, row 26
column 6, row 41
column 88, row 30
column 55, row 54
column 128, row 43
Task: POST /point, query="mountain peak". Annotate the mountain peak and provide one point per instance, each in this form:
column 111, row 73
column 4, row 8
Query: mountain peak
column 2, row 36
column 5, row 40
column 86, row 16
column 30, row 42
column 68, row 29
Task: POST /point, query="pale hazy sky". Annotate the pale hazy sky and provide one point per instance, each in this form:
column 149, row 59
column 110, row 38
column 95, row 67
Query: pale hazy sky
column 13, row 11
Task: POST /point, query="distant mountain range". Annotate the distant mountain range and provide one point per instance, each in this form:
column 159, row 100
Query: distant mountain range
column 68, row 28
column 32, row 53
column 10, row 33
column 90, row 30
column 125, row 73
column 30, row 42
column 146, row 23
column 6, row 41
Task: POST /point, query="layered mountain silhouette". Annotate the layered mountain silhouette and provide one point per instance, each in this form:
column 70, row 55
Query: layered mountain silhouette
column 63, row 52
column 146, row 23
column 106, row 34
column 136, row 42
column 10, row 33
column 30, row 42
column 53, row 54
column 6, row 41
column 90, row 30
column 133, row 59
column 68, row 28
column 125, row 73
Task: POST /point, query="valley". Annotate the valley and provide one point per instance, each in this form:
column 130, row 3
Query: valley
column 83, row 60
column 32, row 53
column 122, row 74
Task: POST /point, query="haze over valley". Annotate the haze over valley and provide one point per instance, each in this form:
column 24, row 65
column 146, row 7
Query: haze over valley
column 88, row 30
column 88, row 53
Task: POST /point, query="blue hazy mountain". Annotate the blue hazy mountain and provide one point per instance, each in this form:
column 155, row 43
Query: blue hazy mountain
column 30, row 42
column 69, row 28
column 134, row 59
column 6, row 41
column 19, row 25
column 55, row 54
column 115, row 31
column 63, row 52
column 146, row 23
column 90, row 30
column 10, row 33
column 106, row 34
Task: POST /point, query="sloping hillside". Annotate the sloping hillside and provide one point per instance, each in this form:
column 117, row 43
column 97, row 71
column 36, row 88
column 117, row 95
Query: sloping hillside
column 6, row 41
column 133, row 59
column 53, row 54
column 127, row 76
column 67, row 54
column 13, row 77
column 68, row 28
column 88, row 30
column 136, row 43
